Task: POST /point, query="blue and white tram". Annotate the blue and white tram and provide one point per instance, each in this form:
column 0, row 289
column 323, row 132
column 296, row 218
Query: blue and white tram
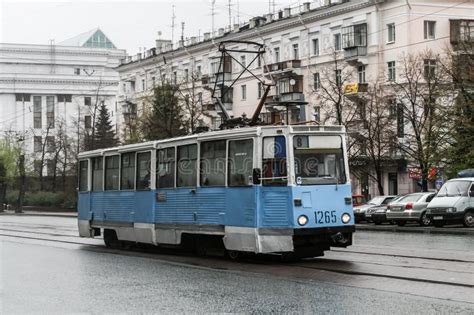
column 269, row 189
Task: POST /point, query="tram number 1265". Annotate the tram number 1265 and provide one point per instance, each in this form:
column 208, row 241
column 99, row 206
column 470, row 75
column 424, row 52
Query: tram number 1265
column 327, row 217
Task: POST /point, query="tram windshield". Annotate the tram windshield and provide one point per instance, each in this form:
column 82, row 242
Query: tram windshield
column 319, row 160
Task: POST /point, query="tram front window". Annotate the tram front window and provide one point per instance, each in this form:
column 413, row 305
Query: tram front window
column 319, row 160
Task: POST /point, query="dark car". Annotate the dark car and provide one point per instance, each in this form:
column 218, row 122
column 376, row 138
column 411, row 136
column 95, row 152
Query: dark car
column 378, row 214
column 361, row 211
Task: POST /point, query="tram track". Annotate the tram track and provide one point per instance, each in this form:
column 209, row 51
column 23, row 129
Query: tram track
column 255, row 261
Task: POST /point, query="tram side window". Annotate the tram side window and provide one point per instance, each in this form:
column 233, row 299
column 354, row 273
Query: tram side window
column 240, row 162
column 143, row 170
column 213, row 163
column 112, row 172
column 274, row 161
column 97, row 173
column 165, row 168
column 83, row 174
column 128, row 171
column 186, row 167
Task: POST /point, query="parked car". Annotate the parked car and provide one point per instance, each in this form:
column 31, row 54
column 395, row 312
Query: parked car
column 360, row 211
column 358, row 200
column 411, row 207
column 454, row 203
column 378, row 215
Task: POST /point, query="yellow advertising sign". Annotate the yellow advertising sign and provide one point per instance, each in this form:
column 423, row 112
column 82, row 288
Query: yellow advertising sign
column 351, row 88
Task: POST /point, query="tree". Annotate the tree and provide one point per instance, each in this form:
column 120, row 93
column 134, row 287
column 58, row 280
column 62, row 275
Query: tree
column 424, row 94
column 459, row 65
column 9, row 155
column 378, row 133
column 166, row 118
column 104, row 136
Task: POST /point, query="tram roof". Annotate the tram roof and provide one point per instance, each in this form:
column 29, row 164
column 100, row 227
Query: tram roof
column 214, row 135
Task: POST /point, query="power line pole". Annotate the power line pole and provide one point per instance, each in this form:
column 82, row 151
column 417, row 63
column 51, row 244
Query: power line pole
column 213, row 13
column 230, row 14
column 173, row 18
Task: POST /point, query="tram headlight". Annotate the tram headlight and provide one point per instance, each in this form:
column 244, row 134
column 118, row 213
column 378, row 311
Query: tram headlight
column 346, row 218
column 302, row 220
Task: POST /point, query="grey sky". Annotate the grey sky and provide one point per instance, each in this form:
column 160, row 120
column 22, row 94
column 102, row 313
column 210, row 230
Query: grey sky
column 129, row 24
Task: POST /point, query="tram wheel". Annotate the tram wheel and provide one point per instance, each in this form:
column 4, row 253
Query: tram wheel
column 233, row 254
column 110, row 239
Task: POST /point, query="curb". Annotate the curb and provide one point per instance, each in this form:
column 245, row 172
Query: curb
column 429, row 230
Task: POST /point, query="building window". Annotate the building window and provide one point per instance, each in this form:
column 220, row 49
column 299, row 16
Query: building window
column 243, row 61
column 153, row 81
column 77, row 71
column 127, row 171
column 50, row 144
column 112, row 172
column 337, row 42
column 175, row 78
column 198, row 71
column 50, row 167
column 391, row 33
column 240, row 162
column 143, row 85
column 317, row 81
column 259, row 61
column 213, row 163
column 22, row 97
column 165, row 168
column 50, row 111
column 316, row 47
column 87, row 100
column 354, row 36
column 429, row 69
column 88, row 122
column 97, row 173
column 430, row 29
column 143, row 171
column 186, row 166
column 466, row 31
column 400, row 121
column 276, row 51
column 392, row 107
column 296, row 52
column 64, row 98
column 259, row 90
column 37, row 143
column 391, row 71
column 317, row 113
column 186, row 75
column 244, row 92
column 361, row 72
column 339, row 78
column 37, row 112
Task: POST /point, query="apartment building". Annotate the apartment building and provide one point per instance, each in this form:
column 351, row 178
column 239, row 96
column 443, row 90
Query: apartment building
column 366, row 36
column 51, row 89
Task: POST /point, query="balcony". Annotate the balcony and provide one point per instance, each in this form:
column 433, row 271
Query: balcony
column 282, row 67
column 462, row 34
column 292, row 97
column 354, row 41
column 355, row 91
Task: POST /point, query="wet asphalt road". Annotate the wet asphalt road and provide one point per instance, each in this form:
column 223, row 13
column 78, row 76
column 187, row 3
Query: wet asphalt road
column 46, row 268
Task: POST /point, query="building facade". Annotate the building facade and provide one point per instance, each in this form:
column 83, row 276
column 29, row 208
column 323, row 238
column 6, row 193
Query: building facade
column 364, row 39
column 52, row 91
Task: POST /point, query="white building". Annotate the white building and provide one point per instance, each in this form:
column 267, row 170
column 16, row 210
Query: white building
column 47, row 87
column 366, row 35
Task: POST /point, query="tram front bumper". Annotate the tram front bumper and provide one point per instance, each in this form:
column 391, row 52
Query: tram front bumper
column 261, row 240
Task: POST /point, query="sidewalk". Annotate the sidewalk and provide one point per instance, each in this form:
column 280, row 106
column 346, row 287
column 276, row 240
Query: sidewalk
column 456, row 230
column 42, row 214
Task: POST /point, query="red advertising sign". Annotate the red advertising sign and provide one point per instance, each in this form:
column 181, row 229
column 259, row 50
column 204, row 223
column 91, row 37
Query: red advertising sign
column 414, row 173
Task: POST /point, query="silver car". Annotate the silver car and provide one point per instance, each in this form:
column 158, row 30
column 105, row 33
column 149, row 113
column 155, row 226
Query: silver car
column 411, row 207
